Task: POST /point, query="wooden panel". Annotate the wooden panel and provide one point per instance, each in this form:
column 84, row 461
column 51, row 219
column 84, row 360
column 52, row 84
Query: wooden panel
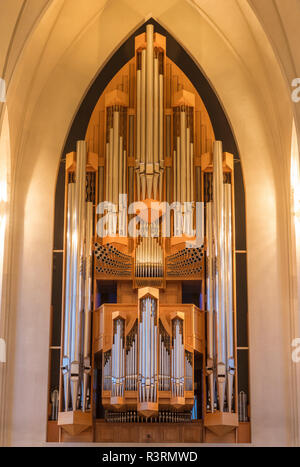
column 229, row 438
column 104, row 432
column 83, row 437
column 125, row 435
column 172, row 433
column 52, row 432
column 244, row 432
column 193, row 433
column 148, row 432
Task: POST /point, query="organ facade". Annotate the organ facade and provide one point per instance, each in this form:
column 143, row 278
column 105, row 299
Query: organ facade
column 149, row 346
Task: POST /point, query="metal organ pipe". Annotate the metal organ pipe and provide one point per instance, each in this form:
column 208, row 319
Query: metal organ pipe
column 219, row 284
column 229, row 294
column 118, row 359
column 148, row 351
column 178, row 359
column 88, row 302
column 183, row 162
column 68, row 294
column 218, row 209
column 149, row 258
column 210, row 304
column 77, row 283
column 116, row 150
column 183, row 173
column 150, row 118
column 78, row 276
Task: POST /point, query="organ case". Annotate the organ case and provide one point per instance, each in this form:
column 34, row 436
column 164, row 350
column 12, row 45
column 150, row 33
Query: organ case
column 150, row 142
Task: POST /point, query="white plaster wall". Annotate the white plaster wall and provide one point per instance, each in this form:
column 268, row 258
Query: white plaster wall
column 62, row 56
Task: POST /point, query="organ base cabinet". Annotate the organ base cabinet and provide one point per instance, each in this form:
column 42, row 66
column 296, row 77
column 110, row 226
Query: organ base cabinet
column 149, row 343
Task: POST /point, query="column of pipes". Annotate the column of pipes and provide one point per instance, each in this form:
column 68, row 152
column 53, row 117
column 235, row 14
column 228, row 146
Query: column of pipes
column 220, row 365
column 188, row 371
column 116, row 163
column 183, row 163
column 107, row 371
column 76, row 361
column 177, row 359
column 164, row 360
column 149, row 164
column 148, row 350
column 131, row 360
column 118, row 359
column 149, row 258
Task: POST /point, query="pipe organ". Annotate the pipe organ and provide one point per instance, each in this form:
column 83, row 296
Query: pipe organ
column 149, row 213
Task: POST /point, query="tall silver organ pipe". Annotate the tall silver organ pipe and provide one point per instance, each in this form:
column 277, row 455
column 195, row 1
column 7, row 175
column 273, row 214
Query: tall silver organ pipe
column 149, row 121
column 229, row 294
column 75, row 302
column 107, row 371
column 164, row 360
column 149, row 260
column 68, row 295
column 87, row 302
column 189, row 375
column 218, row 210
column 219, row 284
column 118, row 359
column 183, row 155
column 210, row 306
column 116, row 158
column 148, row 350
column 131, row 360
column 177, row 358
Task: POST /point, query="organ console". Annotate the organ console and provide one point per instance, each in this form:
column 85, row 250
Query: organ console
column 149, row 208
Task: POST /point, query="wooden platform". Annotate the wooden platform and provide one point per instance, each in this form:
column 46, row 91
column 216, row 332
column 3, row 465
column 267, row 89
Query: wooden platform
column 104, row 432
column 148, row 432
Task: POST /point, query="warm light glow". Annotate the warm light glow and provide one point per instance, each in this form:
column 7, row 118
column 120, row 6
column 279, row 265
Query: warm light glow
column 295, row 180
column 4, row 166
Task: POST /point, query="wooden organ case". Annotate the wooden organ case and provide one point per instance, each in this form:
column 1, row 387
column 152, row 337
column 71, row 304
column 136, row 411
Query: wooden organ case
column 149, row 216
